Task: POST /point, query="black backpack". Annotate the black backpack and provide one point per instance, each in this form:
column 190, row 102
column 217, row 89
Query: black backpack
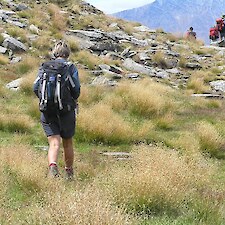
column 54, row 87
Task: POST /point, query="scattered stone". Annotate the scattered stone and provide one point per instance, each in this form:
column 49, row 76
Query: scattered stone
column 133, row 76
column 193, row 65
column 207, row 95
column 14, row 85
column 136, row 67
column 101, row 80
column 13, row 44
column 16, row 60
column 3, row 50
column 34, row 29
column 218, row 85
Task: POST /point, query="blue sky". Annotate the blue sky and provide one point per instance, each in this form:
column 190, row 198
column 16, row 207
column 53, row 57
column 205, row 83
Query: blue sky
column 112, row 6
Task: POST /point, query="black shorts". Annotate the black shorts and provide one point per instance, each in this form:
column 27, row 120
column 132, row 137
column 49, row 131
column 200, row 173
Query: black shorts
column 63, row 124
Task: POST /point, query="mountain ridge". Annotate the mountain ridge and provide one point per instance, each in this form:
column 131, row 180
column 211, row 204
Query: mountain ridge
column 176, row 17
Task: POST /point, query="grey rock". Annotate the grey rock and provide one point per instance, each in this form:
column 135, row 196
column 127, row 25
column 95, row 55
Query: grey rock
column 138, row 42
column 16, row 23
column 101, row 80
column 218, row 85
column 193, row 65
column 162, row 75
column 144, row 29
column 104, row 67
column 7, row 12
column 105, row 45
column 34, row 29
column 14, row 85
column 116, row 69
column 143, row 56
column 136, row 67
column 3, row 50
column 87, row 35
column 172, row 53
column 133, row 76
column 15, row 60
column 21, row 7
column 114, row 55
column 13, row 44
column 174, row 71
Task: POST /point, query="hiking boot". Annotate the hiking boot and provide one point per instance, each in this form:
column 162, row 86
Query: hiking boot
column 69, row 173
column 53, row 171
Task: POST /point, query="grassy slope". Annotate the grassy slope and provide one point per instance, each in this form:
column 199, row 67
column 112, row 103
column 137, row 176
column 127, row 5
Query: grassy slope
column 175, row 175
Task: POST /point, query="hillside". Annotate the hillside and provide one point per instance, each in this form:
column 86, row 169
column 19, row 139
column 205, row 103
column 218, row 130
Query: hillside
column 177, row 16
column 150, row 134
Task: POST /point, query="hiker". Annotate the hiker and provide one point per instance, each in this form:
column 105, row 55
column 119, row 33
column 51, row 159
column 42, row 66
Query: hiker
column 191, row 35
column 213, row 33
column 58, row 117
column 221, row 28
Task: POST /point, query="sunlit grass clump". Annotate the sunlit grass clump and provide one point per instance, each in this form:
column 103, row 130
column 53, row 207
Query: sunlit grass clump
column 28, row 64
column 141, row 98
column 211, row 141
column 26, row 194
column 158, row 181
column 15, row 123
column 4, row 60
column 100, row 124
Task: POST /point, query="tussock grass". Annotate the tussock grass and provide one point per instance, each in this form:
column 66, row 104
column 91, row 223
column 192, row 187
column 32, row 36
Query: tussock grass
column 141, row 99
column 26, row 65
column 74, row 47
column 1, row 39
column 87, row 59
column 3, row 91
column 197, row 82
column 28, row 80
column 166, row 122
column 19, row 33
column 183, row 141
column 40, row 17
column 102, row 125
column 15, row 123
column 159, row 181
column 182, row 62
column 26, row 189
column 33, row 109
column 4, row 60
column 211, row 141
column 58, row 19
column 43, row 43
column 91, row 95
column 160, row 59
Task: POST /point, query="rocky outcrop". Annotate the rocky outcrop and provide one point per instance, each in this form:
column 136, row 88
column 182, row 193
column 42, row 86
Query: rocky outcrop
column 135, row 54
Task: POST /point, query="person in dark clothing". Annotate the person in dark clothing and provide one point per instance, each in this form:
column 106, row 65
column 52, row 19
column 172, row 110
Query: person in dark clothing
column 191, row 34
column 61, row 126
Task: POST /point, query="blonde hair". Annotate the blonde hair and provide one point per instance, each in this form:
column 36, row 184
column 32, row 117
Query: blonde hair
column 61, row 49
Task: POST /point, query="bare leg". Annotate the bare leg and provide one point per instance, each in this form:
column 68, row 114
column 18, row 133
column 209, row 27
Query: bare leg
column 54, row 146
column 68, row 152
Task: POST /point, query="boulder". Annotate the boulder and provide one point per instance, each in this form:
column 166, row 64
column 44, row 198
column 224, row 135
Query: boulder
column 13, row 44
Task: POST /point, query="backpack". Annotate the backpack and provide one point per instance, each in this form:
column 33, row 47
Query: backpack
column 213, row 33
column 220, row 24
column 54, row 87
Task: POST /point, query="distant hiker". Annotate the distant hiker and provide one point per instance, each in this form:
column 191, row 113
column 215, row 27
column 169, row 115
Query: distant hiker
column 57, row 86
column 221, row 28
column 191, row 35
column 213, row 33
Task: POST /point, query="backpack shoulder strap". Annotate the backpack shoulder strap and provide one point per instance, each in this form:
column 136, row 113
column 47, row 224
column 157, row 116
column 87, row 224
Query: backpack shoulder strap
column 69, row 76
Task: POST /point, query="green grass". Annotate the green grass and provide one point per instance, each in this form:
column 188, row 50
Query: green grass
column 175, row 172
